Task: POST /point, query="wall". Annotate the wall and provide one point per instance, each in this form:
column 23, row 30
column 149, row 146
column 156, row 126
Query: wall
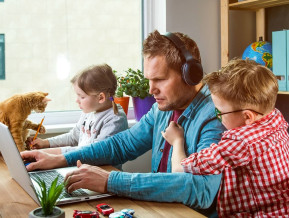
column 277, row 18
column 200, row 19
column 242, row 31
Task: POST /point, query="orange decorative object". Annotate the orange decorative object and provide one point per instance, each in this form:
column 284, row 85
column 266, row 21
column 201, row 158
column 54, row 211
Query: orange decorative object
column 123, row 101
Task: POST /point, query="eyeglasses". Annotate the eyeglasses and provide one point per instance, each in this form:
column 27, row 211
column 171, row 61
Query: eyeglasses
column 219, row 114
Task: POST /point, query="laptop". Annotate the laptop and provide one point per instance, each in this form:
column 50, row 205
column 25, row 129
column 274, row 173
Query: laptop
column 26, row 179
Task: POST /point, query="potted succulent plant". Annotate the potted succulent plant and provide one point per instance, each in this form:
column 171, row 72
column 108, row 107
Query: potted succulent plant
column 48, row 197
column 134, row 84
column 119, row 95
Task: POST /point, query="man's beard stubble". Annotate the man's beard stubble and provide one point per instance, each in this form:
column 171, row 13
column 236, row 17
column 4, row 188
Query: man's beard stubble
column 180, row 104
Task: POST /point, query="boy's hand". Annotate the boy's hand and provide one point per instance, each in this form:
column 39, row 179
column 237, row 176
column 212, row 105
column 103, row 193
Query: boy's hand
column 174, row 134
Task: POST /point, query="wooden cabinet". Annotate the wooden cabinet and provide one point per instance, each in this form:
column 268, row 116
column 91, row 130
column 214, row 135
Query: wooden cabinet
column 254, row 5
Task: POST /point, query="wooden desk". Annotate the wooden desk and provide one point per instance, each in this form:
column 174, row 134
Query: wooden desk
column 15, row 202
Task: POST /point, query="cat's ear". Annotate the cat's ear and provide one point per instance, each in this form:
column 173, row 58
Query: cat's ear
column 46, row 100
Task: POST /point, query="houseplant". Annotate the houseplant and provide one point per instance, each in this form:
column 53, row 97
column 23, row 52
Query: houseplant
column 134, row 84
column 48, row 197
column 119, row 95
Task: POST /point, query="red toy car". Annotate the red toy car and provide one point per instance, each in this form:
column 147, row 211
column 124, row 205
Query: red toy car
column 85, row 214
column 105, row 209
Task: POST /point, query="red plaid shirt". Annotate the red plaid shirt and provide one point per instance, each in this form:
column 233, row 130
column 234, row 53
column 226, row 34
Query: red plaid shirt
column 254, row 160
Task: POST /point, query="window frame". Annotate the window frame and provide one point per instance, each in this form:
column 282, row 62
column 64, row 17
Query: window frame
column 2, row 56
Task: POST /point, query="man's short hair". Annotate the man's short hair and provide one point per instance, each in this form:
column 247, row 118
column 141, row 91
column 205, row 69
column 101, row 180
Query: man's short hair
column 245, row 83
column 158, row 45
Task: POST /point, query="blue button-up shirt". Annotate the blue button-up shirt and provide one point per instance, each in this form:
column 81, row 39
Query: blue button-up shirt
column 201, row 128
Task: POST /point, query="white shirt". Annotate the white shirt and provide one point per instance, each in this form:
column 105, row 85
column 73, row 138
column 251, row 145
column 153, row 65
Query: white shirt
column 90, row 128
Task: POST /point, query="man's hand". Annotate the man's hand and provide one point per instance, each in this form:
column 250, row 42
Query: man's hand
column 89, row 177
column 42, row 160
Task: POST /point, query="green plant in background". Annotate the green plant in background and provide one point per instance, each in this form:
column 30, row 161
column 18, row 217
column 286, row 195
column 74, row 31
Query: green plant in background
column 119, row 91
column 133, row 84
column 48, row 196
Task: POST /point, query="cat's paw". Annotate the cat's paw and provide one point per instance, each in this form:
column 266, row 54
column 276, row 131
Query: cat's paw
column 42, row 130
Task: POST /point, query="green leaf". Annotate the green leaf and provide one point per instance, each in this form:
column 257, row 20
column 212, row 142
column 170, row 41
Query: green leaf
column 48, row 196
column 133, row 84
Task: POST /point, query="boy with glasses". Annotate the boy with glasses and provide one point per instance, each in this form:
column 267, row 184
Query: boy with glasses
column 253, row 153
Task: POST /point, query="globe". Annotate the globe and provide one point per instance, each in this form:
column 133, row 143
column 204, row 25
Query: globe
column 261, row 52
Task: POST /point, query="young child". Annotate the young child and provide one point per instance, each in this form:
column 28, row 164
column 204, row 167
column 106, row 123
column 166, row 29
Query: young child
column 100, row 117
column 253, row 153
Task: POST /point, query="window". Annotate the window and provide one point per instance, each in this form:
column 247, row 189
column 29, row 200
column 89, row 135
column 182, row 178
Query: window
column 2, row 57
column 47, row 43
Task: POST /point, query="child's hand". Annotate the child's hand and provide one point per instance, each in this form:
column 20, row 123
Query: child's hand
column 38, row 143
column 174, row 134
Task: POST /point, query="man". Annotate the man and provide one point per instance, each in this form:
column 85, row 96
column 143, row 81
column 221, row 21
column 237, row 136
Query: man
column 189, row 105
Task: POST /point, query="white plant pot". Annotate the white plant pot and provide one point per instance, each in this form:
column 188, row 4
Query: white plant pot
column 57, row 213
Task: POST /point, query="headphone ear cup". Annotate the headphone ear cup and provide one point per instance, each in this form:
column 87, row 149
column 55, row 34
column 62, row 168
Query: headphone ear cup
column 192, row 72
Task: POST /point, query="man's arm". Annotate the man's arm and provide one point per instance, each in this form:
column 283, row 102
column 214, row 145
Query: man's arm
column 192, row 190
column 196, row 191
column 117, row 149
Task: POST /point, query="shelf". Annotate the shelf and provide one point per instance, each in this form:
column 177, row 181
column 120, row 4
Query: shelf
column 258, row 6
column 255, row 4
column 283, row 93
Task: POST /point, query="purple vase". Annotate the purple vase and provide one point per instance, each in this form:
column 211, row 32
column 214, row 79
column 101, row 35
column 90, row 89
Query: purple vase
column 142, row 106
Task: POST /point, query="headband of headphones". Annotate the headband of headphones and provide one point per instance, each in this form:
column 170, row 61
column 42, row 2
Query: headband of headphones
column 192, row 70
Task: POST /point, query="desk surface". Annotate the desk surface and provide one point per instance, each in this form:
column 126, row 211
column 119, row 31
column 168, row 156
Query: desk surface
column 15, row 202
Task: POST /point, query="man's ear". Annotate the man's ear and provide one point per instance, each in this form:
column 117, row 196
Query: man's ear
column 101, row 97
column 250, row 117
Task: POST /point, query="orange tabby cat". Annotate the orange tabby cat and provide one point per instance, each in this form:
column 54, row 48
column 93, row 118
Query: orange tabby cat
column 15, row 110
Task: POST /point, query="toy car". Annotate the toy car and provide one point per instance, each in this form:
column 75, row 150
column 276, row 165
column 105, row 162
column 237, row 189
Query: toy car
column 85, row 214
column 125, row 213
column 105, row 209
column 128, row 212
column 117, row 215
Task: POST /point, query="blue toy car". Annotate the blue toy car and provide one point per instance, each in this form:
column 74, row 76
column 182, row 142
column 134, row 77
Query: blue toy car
column 125, row 213
column 128, row 213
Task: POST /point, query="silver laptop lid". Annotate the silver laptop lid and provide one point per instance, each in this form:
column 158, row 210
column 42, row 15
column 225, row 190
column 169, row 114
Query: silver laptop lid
column 19, row 173
column 14, row 161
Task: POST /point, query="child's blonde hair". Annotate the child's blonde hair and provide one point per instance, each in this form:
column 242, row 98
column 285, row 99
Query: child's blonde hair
column 96, row 79
column 245, row 83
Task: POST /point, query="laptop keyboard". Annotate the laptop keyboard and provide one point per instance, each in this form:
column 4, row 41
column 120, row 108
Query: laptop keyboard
column 49, row 176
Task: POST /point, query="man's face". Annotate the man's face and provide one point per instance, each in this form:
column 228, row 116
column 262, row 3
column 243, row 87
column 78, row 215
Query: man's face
column 167, row 86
